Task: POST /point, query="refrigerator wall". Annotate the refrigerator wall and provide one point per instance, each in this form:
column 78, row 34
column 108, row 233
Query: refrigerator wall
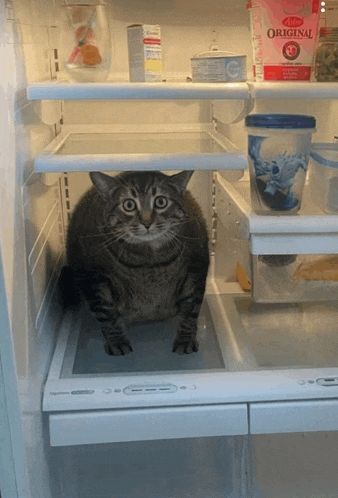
column 33, row 217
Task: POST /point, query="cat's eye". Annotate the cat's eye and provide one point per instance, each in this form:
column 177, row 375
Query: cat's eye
column 161, row 202
column 129, row 205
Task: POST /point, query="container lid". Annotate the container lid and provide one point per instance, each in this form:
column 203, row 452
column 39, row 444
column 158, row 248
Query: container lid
column 215, row 54
column 280, row 121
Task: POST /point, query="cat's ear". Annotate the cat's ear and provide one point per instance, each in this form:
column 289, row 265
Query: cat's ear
column 104, row 184
column 181, row 179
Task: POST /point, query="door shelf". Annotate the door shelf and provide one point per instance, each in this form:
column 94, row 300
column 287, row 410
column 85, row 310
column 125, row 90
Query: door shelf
column 311, row 231
column 102, row 148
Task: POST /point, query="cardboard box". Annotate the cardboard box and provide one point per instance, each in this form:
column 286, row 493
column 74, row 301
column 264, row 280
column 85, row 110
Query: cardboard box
column 284, row 34
column 145, row 54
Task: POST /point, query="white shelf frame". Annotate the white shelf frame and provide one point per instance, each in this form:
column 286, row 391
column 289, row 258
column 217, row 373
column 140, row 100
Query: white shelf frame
column 50, row 162
column 186, row 91
column 137, row 91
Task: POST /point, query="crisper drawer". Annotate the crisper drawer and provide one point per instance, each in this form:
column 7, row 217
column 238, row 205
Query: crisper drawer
column 111, row 426
column 294, row 416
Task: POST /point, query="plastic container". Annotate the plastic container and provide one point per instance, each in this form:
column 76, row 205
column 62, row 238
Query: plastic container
column 278, row 146
column 86, row 42
column 326, row 59
column 218, row 66
column 323, row 176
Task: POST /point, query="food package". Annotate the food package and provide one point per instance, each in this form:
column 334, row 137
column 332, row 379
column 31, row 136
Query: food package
column 284, row 34
column 323, row 268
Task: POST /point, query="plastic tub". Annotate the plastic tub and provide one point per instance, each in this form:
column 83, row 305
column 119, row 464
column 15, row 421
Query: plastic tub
column 218, row 66
column 278, row 146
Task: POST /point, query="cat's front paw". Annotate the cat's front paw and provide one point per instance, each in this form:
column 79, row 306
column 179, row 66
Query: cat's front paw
column 185, row 347
column 120, row 348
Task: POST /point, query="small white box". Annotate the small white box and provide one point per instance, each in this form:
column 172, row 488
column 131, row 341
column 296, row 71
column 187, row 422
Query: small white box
column 145, row 53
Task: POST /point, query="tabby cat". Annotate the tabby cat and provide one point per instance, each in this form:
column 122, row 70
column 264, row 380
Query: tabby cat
column 137, row 248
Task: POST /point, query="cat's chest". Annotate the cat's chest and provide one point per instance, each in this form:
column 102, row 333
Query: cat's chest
column 150, row 293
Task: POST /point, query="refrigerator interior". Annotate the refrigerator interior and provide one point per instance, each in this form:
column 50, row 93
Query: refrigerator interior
column 236, row 334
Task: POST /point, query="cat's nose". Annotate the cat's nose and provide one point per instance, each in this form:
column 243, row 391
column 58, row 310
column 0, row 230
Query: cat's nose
column 146, row 224
column 146, row 219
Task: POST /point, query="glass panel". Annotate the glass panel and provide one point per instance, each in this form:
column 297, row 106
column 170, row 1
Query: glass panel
column 139, row 143
column 215, row 467
column 261, row 336
column 294, row 277
column 296, row 465
column 152, row 346
column 296, row 335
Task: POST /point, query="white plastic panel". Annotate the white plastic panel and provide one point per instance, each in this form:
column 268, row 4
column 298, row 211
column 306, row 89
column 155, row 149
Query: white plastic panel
column 294, row 416
column 137, row 91
column 143, row 162
column 294, row 243
column 148, row 424
column 191, row 91
column 296, row 90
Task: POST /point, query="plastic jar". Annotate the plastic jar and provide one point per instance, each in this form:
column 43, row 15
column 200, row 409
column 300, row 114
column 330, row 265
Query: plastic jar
column 278, row 146
column 86, row 42
column 326, row 58
column 323, row 176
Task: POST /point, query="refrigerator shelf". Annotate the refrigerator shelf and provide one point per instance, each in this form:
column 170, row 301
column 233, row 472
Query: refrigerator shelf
column 290, row 90
column 102, row 148
column 136, row 91
column 176, row 91
column 249, row 353
column 310, row 231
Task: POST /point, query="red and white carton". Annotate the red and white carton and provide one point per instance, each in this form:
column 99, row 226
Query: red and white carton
column 284, row 34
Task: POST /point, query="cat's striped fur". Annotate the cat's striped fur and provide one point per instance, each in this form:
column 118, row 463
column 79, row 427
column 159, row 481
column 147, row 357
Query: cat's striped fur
column 138, row 249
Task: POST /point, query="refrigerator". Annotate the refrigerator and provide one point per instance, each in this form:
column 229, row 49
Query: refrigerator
column 255, row 412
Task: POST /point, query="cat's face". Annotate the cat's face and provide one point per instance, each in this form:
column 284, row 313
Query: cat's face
column 143, row 207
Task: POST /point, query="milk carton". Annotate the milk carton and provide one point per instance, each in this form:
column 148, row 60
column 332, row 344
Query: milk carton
column 145, row 56
column 284, row 34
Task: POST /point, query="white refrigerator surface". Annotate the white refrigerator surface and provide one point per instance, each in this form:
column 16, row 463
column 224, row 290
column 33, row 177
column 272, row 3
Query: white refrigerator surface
column 254, row 413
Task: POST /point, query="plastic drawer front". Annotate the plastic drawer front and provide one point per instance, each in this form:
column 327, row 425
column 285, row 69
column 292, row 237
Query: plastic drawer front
column 294, row 416
column 147, row 424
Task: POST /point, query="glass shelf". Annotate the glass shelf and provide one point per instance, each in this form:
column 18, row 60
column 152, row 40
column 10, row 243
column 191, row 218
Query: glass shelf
column 202, row 149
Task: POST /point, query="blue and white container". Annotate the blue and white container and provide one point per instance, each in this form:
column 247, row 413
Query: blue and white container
column 217, row 66
column 279, row 146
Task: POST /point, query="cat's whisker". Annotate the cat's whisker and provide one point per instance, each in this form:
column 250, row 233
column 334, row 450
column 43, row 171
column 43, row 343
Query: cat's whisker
column 96, row 235
column 188, row 238
column 123, row 247
column 105, row 243
column 171, row 237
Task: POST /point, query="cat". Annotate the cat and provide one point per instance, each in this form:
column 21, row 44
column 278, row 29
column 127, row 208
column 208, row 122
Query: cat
column 137, row 249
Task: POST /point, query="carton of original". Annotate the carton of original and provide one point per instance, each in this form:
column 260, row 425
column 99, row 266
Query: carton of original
column 284, row 35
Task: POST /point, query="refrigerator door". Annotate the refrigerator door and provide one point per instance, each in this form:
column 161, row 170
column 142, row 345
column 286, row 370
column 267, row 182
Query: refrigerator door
column 8, row 483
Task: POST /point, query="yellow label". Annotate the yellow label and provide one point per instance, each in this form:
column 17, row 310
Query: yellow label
column 153, row 65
